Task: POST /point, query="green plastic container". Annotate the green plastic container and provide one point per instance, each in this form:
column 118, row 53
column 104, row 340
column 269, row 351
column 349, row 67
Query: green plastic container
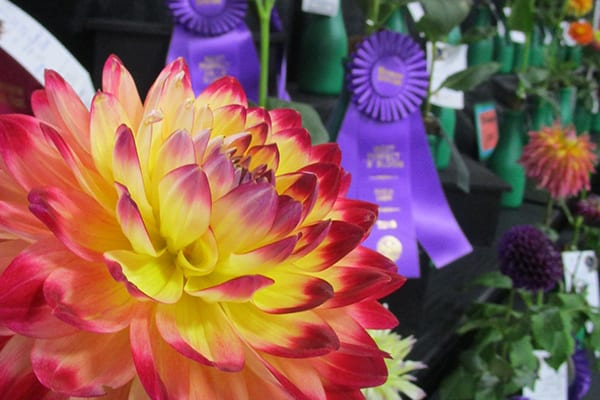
column 323, row 47
column 481, row 51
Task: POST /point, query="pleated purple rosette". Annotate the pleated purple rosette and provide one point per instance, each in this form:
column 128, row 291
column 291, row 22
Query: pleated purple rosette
column 385, row 148
column 214, row 40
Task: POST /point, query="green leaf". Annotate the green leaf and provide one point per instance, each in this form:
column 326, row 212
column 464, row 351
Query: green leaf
column 520, row 354
column 310, row 118
column 459, row 385
column 494, row 279
column 522, row 16
column 469, row 78
column 552, row 331
column 441, row 16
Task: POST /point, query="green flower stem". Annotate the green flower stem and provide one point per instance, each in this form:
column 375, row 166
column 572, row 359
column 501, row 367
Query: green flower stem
column 540, row 298
column 264, row 9
column 373, row 17
column 549, row 213
column 507, row 318
column 430, row 92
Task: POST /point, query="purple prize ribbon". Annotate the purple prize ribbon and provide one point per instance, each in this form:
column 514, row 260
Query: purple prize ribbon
column 582, row 379
column 214, row 40
column 385, row 148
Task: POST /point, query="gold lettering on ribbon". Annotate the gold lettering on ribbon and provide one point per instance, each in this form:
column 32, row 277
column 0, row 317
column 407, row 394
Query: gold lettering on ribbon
column 214, row 67
column 384, row 194
column 384, row 156
column 208, row 2
column 389, row 76
column 385, row 225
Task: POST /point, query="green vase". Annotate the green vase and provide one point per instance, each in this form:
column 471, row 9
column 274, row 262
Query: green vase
column 582, row 118
column 566, row 104
column 504, row 52
column 574, row 54
column 447, row 120
column 595, row 124
column 481, row 51
column 542, row 114
column 323, row 47
column 504, row 161
column 536, row 51
column 397, row 22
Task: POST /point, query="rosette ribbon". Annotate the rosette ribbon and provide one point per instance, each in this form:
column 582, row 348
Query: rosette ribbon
column 214, row 40
column 385, row 148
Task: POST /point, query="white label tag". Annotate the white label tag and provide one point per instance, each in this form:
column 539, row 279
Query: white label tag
column 329, row 8
column 36, row 49
column 569, row 41
column 581, row 272
column 416, row 10
column 518, row 37
column 449, row 60
column 551, row 384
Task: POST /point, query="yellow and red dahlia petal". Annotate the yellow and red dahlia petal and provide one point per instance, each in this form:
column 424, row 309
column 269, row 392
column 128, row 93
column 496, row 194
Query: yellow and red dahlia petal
column 132, row 224
column 237, row 290
column 63, row 211
column 355, row 284
column 284, row 118
column 128, row 172
column 175, row 152
column 289, row 215
column 342, row 238
column 78, row 365
column 199, row 258
column 301, row 187
column 358, row 212
column 156, row 277
column 344, row 369
column 27, row 155
column 23, row 307
column 310, row 238
column 260, row 260
column 329, row 153
column 228, row 120
column 42, row 110
column 15, row 219
column 371, row 314
column 9, row 249
column 106, row 116
column 185, row 206
column 117, row 81
column 258, row 116
column 258, row 132
column 89, row 298
column 222, row 92
column 221, row 174
column 242, row 217
column 296, row 335
column 207, row 338
column 265, row 156
column 294, row 149
column 67, row 106
column 88, row 178
column 17, row 380
column 292, row 292
column 329, row 178
column 298, row 376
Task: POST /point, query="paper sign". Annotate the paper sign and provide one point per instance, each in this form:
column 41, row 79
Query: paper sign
column 36, row 49
column 449, row 60
column 329, row 8
column 551, row 384
column 486, row 127
column 581, row 272
column 416, row 10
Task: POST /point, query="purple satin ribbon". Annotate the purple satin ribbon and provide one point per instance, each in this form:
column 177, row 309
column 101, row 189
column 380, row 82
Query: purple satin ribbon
column 391, row 166
column 211, row 57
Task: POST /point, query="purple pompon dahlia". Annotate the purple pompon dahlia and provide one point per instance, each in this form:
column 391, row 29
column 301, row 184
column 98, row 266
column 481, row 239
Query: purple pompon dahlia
column 529, row 258
column 589, row 209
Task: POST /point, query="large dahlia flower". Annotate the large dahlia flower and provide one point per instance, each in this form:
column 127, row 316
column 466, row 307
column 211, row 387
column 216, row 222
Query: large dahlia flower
column 559, row 161
column 183, row 248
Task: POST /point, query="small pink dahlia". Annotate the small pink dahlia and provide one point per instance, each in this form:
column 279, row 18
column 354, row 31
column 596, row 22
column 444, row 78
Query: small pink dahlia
column 559, row 161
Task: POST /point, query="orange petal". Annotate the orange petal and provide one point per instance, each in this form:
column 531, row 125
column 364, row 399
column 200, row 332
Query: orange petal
column 296, row 335
column 84, row 364
column 242, row 217
column 200, row 331
column 185, row 206
column 63, row 212
column 117, row 81
column 223, row 91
